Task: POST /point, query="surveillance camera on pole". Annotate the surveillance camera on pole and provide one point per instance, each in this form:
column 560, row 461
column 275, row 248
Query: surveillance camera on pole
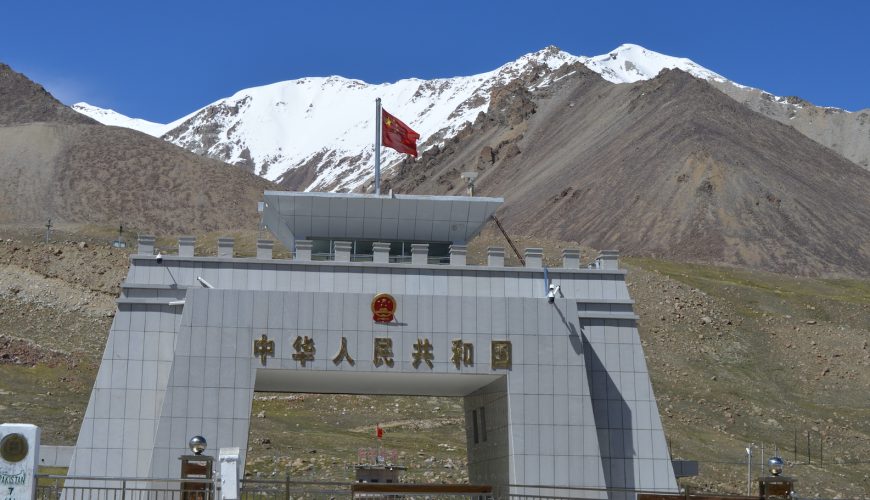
column 555, row 290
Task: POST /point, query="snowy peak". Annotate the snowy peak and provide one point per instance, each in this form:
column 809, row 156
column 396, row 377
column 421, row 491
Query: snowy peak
column 552, row 57
column 629, row 63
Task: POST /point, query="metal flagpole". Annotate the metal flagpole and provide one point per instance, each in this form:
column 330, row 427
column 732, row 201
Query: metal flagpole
column 378, row 145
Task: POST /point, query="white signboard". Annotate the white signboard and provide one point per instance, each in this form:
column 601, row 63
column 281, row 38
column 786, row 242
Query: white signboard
column 19, row 456
column 229, row 460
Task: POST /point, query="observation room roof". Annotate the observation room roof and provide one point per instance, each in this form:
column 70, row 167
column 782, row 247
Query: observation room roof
column 292, row 216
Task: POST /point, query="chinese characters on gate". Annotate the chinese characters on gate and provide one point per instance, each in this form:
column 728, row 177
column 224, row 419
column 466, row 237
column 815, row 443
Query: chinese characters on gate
column 384, row 307
column 422, row 352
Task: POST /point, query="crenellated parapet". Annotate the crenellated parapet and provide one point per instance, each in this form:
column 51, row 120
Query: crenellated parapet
column 343, row 252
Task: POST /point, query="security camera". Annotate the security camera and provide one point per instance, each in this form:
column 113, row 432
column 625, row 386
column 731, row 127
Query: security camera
column 158, row 257
column 554, row 291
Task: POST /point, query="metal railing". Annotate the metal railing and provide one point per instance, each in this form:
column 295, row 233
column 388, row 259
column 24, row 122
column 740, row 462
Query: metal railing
column 278, row 489
column 54, row 487
column 57, row 487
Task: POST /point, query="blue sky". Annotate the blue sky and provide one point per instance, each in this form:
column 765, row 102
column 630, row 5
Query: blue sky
column 159, row 60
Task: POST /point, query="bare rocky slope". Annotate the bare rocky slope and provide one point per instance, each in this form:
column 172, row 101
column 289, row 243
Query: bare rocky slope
column 56, row 163
column 844, row 132
column 735, row 356
column 668, row 167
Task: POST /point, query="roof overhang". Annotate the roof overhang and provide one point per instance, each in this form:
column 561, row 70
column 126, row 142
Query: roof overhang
column 349, row 216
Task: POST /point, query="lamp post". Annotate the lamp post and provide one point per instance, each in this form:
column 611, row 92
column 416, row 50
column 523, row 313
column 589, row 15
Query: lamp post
column 748, row 470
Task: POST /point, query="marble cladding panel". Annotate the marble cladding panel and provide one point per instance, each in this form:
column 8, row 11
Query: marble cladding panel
column 574, row 404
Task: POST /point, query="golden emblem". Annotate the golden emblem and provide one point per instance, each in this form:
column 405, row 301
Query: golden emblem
column 383, row 308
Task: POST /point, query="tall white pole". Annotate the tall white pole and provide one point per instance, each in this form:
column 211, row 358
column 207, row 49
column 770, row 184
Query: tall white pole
column 378, row 145
column 761, row 462
column 748, row 471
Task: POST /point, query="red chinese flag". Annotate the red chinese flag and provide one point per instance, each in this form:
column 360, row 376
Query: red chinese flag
column 397, row 135
column 380, row 432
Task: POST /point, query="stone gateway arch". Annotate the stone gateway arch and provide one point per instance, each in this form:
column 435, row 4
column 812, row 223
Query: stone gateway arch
column 378, row 299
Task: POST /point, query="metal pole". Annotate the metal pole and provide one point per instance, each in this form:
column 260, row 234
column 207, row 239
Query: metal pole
column 761, row 462
column 509, row 240
column 748, row 471
column 378, row 145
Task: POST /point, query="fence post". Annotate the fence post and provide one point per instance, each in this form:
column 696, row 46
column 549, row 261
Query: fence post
column 795, row 446
column 821, row 450
column 123, row 489
column 287, row 487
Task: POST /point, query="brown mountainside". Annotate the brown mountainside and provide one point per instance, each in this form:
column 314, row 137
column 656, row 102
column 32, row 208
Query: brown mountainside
column 844, row 132
column 56, row 163
column 669, row 167
column 23, row 101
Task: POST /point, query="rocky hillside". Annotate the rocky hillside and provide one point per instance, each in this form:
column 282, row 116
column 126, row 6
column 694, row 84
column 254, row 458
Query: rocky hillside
column 736, row 357
column 847, row 133
column 23, row 101
column 668, row 167
column 58, row 164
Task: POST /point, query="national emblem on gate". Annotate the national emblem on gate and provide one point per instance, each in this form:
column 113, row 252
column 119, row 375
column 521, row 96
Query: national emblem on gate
column 383, row 308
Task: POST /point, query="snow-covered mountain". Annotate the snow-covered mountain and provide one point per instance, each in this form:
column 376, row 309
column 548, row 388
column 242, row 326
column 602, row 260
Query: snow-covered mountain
column 318, row 133
column 115, row 119
column 631, row 63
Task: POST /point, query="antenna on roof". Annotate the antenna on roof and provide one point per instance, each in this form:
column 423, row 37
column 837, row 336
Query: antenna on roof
column 469, row 178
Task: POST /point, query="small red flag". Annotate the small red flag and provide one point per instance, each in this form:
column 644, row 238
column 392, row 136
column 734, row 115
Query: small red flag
column 395, row 134
column 380, row 432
